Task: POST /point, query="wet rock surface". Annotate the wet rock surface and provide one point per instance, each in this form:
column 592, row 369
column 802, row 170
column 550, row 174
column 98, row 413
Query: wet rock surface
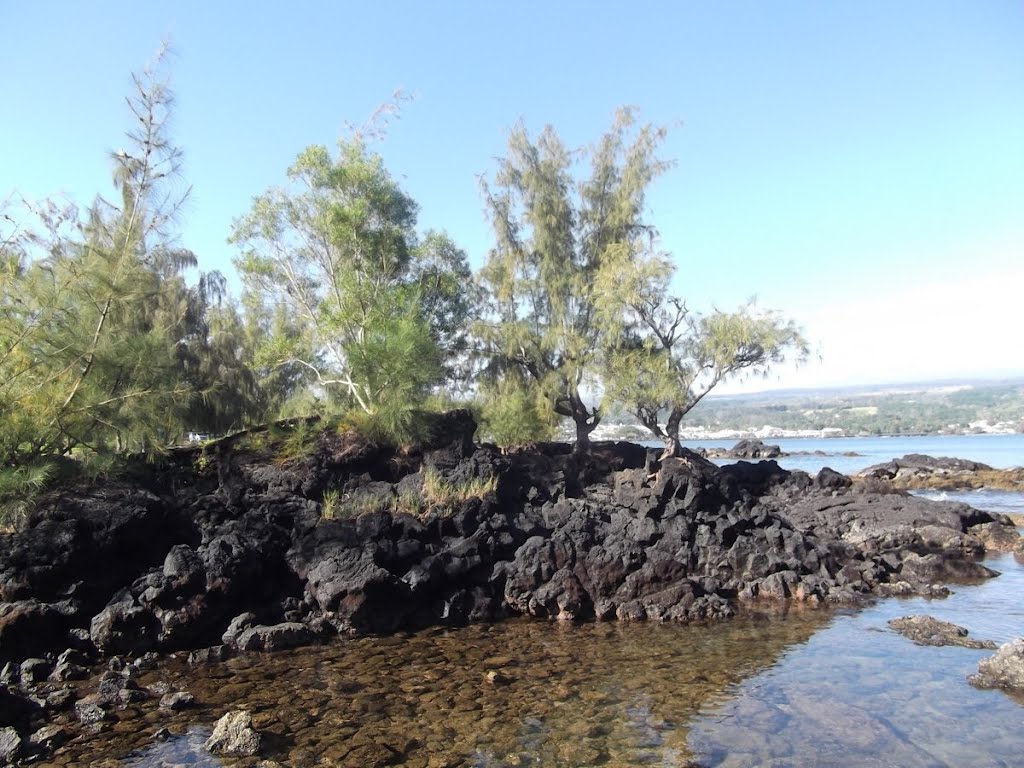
column 1004, row 669
column 927, row 630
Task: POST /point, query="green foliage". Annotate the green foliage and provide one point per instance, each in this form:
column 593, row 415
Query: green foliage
column 350, row 304
column 513, row 413
column 20, row 488
column 659, row 356
column 104, row 346
column 291, row 439
column 553, row 234
column 94, row 467
column 396, row 424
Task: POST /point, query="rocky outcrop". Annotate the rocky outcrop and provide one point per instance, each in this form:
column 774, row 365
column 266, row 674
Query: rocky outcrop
column 745, row 449
column 927, row 630
column 919, row 471
column 233, row 552
column 1005, row 669
column 906, row 542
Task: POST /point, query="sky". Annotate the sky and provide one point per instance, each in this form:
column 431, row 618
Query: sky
column 858, row 166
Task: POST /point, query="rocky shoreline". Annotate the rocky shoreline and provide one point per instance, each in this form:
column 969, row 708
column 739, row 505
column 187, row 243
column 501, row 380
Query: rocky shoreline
column 229, row 549
column 919, row 472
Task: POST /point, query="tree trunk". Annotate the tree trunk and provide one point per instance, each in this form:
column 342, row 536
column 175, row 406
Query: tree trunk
column 583, row 430
column 572, row 406
column 673, row 448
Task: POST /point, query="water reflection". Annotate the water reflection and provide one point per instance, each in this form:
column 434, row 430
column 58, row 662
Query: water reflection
column 858, row 694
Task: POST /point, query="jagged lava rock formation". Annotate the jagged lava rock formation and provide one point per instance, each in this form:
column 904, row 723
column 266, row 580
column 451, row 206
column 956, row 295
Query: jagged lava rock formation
column 235, row 550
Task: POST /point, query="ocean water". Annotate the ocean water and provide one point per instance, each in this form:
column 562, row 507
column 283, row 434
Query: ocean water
column 851, row 454
column 858, row 694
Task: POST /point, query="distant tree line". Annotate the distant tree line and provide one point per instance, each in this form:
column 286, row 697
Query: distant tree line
column 111, row 340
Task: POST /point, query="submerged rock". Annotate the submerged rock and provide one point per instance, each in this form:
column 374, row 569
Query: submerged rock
column 49, row 737
column 234, row 736
column 1004, row 669
column 177, row 701
column 926, row 630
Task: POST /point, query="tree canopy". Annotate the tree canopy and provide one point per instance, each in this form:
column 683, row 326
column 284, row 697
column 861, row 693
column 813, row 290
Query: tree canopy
column 578, row 292
column 111, row 340
column 102, row 339
column 352, row 302
column 553, row 234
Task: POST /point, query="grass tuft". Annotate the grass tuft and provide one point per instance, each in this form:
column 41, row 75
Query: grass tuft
column 437, row 495
column 20, row 488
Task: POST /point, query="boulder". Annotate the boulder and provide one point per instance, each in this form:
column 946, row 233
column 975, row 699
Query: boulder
column 35, row 670
column 239, row 624
column 17, row 710
column 211, row 655
column 998, row 536
column 754, row 449
column 828, row 479
column 11, row 746
column 183, row 568
column 274, row 638
column 234, row 736
column 90, row 713
column 72, row 664
column 1004, row 669
column 60, row 700
column 49, row 738
column 29, row 627
column 349, row 584
column 123, row 626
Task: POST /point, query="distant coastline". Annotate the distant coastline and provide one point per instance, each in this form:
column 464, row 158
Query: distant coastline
column 898, row 410
column 635, row 433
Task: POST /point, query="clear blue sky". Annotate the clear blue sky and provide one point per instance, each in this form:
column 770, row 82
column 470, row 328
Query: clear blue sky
column 859, row 165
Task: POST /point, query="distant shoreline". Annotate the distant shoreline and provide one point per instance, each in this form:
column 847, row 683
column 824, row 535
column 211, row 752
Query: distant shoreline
column 635, row 433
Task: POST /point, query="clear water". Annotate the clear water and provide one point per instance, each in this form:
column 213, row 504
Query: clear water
column 811, row 687
column 858, row 694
